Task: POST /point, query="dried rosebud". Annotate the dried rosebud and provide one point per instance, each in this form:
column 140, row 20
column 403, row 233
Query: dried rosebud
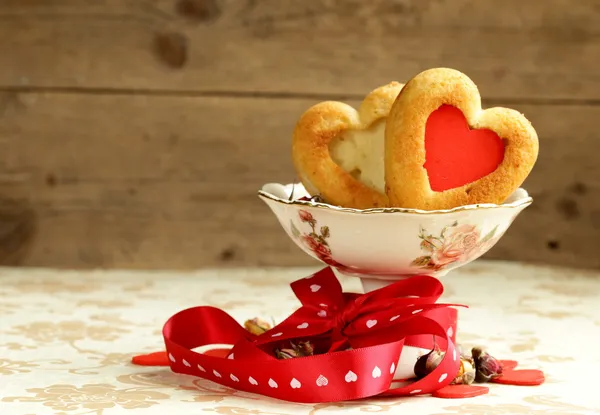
column 301, row 349
column 257, row 326
column 428, row 362
column 466, row 373
column 304, row 348
column 486, row 366
column 285, row 353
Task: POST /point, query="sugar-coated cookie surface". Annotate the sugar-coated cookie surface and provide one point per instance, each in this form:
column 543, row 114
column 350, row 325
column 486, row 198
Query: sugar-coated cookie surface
column 410, row 172
column 338, row 151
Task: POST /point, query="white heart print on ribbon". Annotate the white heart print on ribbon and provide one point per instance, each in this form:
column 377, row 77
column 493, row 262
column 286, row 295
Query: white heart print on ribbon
column 322, row 381
column 234, row 378
column 315, row 287
column 376, row 372
column 295, row 384
column 302, row 326
column 350, row 377
column 252, row 381
column 272, row 383
column 371, row 323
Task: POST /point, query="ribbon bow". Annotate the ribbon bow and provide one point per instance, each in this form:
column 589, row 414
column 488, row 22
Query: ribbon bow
column 358, row 340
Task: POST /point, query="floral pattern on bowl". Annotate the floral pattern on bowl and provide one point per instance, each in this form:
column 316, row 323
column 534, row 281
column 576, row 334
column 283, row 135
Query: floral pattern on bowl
column 455, row 244
column 315, row 241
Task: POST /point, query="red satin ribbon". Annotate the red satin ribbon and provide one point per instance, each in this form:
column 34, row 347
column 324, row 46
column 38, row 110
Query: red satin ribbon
column 359, row 337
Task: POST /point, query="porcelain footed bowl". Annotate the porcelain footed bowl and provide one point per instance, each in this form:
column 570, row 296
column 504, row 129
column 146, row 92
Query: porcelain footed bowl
column 380, row 246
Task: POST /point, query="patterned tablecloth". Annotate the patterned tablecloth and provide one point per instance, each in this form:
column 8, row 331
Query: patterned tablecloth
column 66, row 339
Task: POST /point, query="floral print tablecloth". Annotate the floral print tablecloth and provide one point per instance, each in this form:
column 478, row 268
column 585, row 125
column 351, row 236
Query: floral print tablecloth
column 66, row 340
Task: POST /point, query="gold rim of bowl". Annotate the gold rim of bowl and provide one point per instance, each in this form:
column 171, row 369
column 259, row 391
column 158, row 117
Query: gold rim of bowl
column 521, row 203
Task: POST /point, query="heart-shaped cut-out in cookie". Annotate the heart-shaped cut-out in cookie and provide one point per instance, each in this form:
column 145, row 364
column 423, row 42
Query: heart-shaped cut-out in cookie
column 456, row 155
column 338, row 152
column 442, row 150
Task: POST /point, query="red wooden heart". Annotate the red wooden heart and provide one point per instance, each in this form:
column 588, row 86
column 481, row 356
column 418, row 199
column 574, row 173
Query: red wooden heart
column 162, row 358
column 525, row 377
column 456, row 155
column 151, row 359
column 460, row 391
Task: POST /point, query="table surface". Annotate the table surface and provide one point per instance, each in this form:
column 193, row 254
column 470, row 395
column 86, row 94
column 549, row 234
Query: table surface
column 67, row 337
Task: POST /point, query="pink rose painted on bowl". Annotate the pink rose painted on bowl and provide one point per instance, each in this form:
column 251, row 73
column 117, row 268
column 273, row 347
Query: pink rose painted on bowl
column 316, row 240
column 456, row 243
column 306, row 216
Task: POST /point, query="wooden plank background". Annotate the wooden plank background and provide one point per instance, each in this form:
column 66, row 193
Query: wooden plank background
column 135, row 133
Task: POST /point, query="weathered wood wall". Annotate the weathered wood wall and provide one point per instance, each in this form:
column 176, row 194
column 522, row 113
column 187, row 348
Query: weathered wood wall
column 135, row 133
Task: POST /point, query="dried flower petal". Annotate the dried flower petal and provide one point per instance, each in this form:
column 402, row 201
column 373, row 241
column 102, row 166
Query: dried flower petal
column 300, row 349
column 304, row 348
column 428, row 362
column 466, row 374
column 486, row 366
column 285, row 353
column 257, row 326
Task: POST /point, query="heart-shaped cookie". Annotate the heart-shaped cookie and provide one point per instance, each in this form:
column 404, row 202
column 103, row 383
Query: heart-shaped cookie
column 338, row 152
column 442, row 150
